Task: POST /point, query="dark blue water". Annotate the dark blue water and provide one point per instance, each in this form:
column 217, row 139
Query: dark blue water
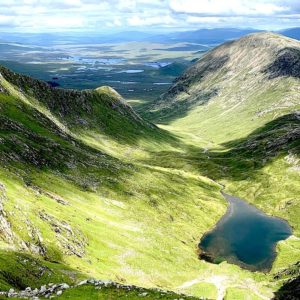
column 244, row 236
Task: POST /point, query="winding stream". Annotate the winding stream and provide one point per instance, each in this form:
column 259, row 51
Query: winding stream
column 244, row 236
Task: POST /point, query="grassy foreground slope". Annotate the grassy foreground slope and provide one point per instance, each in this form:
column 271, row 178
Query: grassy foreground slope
column 237, row 110
column 74, row 199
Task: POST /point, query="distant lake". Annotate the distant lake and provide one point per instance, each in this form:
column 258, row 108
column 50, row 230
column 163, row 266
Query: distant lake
column 97, row 60
column 244, row 236
column 131, row 71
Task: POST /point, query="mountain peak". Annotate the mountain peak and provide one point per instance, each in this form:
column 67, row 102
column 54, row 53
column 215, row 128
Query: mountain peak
column 266, row 39
column 230, row 71
column 109, row 91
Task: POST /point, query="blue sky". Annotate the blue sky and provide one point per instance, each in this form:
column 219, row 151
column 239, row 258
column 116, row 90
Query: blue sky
column 145, row 15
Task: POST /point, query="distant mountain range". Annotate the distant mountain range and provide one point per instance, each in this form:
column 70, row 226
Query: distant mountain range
column 293, row 33
column 202, row 36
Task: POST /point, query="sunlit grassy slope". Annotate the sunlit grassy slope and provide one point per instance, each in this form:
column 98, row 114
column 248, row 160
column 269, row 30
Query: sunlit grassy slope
column 92, row 190
column 237, row 110
column 74, row 193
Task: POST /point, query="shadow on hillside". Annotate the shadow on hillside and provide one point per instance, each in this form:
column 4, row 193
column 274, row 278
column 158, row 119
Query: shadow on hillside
column 32, row 144
column 240, row 159
column 179, row 109
column 289, row 291
column 167, row 108
column 20, row 270
column 287, row 63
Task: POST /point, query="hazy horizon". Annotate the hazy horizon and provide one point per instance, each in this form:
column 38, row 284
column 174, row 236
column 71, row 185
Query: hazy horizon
column 78, row 16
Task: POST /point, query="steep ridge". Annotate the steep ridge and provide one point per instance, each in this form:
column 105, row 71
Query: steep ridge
column 239, row 85
column 77, row 109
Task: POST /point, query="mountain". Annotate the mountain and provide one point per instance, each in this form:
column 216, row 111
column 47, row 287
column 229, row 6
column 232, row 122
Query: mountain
column 234, row 95
column 78, row 109
column 238, row 110
column 90, row 189
column 292, row 33
column 209, row 36
column 253, row 78
column 201, row 36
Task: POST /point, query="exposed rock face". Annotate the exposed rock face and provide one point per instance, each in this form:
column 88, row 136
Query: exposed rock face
column 287, row 63
column 72, row 241
column 40, row 151
column 35, row 244
column 36, row 240
column 6, row 233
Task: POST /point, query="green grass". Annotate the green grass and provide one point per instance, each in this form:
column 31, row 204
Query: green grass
column 20, row 270
column 242, row 294
column 115, row 198
column 106, row 229
column 106, row 293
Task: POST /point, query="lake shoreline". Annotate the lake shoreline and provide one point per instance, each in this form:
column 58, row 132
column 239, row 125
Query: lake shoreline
column 212, row 244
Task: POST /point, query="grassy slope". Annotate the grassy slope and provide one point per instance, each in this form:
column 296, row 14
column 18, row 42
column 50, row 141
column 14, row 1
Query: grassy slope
column 247, row 102
column 73, row 204
column 233, row 136
column 135, row 200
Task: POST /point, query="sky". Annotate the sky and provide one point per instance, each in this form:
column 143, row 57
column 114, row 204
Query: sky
column 145, row 15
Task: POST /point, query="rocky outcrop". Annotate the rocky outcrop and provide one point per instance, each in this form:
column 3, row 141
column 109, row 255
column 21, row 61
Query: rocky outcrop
column 277, row 135
column 35, row 245
column 45, row 291
column 71, row 240
column 6, row 233
column 54, row 290
column 287, row 63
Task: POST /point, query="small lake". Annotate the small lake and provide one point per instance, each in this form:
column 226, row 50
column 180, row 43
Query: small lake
column 244, row 236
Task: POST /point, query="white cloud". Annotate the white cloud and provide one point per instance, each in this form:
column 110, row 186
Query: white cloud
column 229, row 7
column 203, row 20
column 6, row 20
column 61, row 22
column 115, row 23
column 58, row 15
column 159, row 20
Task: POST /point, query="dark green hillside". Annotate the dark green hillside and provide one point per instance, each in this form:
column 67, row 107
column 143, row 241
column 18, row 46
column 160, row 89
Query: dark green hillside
column 89, row 109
